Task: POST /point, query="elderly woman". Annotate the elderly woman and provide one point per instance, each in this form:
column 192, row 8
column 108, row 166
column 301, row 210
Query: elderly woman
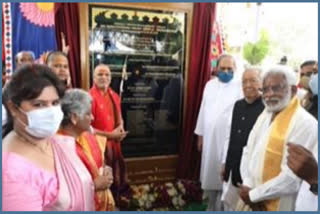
column 40, row 170
column 76, row 106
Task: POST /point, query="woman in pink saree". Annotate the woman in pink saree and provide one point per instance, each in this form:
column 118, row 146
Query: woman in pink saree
column 40, row 170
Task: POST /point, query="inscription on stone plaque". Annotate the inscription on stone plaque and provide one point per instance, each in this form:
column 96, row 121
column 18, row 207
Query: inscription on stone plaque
column 145, row 50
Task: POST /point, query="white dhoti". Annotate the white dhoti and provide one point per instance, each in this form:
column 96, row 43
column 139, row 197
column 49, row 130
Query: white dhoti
column 214, row 200
column 230, row 195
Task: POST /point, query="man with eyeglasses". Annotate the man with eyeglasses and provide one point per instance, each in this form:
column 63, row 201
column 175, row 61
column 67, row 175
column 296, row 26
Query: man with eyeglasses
column 304, row 163
column 219, row 96
column 268, row 183
column 244, row 115
column 306, row 70
column 310, row 100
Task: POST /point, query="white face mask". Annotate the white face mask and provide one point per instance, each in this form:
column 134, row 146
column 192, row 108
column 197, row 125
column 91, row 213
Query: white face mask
column 44, row 122
column 313, row 84
column 301, row 93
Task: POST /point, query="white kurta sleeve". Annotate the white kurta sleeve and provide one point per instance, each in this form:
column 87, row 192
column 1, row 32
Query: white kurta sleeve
column 305, row 134
column 244, row 164
column 227, row 137
column 306, row 200
column 285, row 183
column 201, row 116
column 246, row 181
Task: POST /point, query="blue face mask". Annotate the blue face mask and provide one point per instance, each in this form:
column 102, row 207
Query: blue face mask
column 225, row 76
column 313, row 84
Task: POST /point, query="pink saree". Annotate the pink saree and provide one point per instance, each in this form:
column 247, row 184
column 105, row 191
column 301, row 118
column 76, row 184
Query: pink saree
column 27, row 187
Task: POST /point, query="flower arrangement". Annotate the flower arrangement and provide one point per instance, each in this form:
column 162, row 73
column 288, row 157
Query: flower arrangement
column 170, row 196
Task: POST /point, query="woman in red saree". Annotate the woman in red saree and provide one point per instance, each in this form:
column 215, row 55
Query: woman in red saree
column 76, row 106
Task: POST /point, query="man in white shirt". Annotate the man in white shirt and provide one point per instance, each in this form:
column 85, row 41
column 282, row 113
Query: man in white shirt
column 268, row 183
column 304, row 163
column 219, row 96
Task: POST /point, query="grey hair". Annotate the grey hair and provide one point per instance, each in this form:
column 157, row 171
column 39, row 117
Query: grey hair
column 76, row 101
column 222, row 56
column 27, row 52
column 255, row 68
column 286, row 71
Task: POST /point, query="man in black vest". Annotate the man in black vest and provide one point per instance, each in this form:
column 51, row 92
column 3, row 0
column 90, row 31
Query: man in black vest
column 244, row 116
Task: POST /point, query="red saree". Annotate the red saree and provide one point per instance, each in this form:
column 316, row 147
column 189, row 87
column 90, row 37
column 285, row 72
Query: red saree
column 91, row 150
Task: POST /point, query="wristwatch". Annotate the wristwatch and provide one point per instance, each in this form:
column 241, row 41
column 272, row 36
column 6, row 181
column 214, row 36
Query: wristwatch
column 314, row 188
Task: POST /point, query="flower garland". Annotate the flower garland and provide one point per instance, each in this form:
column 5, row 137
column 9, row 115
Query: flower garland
column 170, row 196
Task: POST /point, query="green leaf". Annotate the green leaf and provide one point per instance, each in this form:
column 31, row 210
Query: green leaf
column 254, row 53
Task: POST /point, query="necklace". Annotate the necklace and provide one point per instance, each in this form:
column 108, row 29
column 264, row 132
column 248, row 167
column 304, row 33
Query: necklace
column 43, row 150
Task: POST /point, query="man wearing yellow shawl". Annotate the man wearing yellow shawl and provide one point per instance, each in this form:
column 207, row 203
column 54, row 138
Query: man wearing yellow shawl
column 268, row 182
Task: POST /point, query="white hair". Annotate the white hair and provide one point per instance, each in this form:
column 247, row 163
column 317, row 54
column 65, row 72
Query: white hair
column 222, row 56
column 286, row 71
column 24, row 52
column 257, row 69
column 76, row 101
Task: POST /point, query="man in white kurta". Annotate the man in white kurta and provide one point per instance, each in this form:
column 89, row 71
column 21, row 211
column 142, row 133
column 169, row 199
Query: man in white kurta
column 278, row 93
column 219, row 96
column 305, row 164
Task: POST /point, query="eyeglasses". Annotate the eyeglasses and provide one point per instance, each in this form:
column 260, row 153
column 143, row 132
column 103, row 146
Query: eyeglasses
column 308, row 74
column 275, row 89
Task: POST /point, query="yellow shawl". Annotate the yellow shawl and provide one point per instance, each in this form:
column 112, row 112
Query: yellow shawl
column 275, row 148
